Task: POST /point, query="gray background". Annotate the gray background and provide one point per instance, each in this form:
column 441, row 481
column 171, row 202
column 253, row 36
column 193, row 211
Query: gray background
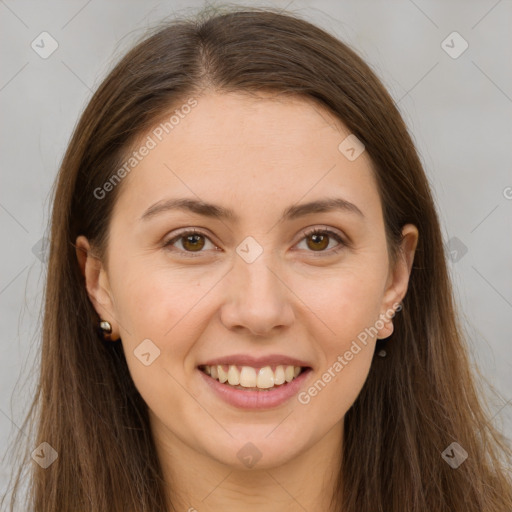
column 458, row 110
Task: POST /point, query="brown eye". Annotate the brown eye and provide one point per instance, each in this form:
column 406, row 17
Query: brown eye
column 191, row 242
column 318, row 240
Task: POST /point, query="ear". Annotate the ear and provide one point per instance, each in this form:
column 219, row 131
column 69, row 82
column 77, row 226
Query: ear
column 96, row 281
column 398, row 279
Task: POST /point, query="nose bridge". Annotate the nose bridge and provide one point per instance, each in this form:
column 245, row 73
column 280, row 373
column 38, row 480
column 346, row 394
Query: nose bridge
column 256, row 279
column 259, row 298
column 256, row 285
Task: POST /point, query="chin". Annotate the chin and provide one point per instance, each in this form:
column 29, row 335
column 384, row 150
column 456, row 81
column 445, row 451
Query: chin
column 254, row 452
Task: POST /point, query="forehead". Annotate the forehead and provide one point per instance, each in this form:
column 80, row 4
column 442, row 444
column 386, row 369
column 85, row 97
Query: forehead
column 248, row 152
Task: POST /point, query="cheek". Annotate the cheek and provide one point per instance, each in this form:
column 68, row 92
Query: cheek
column 336, row 385
column 345, row 303
column 160, row 312
column 347, row 307
column 153, row 301
column 349, row 378
column 172, row 308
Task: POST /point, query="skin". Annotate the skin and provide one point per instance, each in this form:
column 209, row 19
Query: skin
column 257, row 156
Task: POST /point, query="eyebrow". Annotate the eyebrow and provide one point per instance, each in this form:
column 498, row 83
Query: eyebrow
column 219, row 212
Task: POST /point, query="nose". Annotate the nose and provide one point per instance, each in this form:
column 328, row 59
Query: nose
column 259, row 298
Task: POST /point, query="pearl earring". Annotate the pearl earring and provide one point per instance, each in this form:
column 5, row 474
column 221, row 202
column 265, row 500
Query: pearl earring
column 106, row 327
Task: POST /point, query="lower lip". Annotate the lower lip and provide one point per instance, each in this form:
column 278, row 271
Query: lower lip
column 256, row 399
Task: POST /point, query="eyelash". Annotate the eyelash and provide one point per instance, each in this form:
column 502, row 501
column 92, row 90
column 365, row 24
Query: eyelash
column 315, row 231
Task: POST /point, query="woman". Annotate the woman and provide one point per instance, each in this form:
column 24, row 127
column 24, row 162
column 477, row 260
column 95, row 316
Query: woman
column 247, row 302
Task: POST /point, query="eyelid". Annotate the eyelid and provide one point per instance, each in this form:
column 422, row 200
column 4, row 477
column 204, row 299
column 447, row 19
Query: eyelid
column 305, row 232
column 325, row 229
column 182, row 233
column 331, row 233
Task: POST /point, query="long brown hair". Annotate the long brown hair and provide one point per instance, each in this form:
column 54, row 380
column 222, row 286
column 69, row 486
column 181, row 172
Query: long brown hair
column 416, row 402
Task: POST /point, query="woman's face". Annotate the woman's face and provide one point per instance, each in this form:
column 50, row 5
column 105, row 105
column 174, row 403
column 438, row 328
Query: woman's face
column 254, row 289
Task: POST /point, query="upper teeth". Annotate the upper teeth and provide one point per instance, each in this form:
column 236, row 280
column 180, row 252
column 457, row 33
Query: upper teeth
column 249, row 377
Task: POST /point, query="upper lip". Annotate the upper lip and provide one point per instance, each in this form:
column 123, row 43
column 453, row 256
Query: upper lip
column 256, row 362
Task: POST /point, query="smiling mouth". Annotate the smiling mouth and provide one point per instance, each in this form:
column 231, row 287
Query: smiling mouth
column 250, row 378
